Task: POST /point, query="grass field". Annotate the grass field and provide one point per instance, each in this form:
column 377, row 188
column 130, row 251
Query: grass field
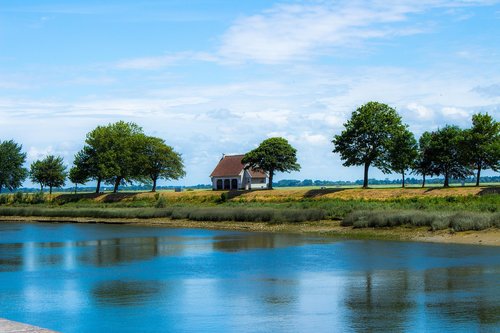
column 374, row 207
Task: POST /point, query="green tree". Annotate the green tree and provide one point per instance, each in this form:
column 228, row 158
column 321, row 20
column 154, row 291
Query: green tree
column 111, row 153
column 423, row 162
column 448, row 156
column 12, row 172
column 402, row 151
column 157, row 160
column 49, row 172
column 367, row 137
column 272, row 155
column 77, row 176
column 483, row 144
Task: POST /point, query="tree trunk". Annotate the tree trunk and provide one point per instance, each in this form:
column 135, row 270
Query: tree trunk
column 117, row 183
column 365, row 179
column 50, row 190
column 423, row 180
column 0, row 188
column 41, row 188
column 403, row 173
column 154, row 185
column 271, row 174
column 446, row 181
column 98, row 187
column 76, row 188
column 478, row 174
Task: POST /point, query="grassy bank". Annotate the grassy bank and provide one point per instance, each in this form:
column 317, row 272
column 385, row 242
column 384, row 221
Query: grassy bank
column 458, row 208
column 435, row 220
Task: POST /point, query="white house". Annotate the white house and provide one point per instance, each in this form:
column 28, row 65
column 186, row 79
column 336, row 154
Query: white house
column 230, row 174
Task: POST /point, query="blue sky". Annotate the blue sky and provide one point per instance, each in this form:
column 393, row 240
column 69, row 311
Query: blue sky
column 216, row 76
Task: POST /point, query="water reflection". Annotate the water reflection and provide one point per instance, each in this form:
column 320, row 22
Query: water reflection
column 151, row 279
column 239, row 242
column 379, row 300
column 126, row 293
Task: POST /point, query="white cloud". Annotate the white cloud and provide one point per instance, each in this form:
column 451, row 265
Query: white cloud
column 420, row 111
column 299, row 31
column 148, row 63
column 455, row 113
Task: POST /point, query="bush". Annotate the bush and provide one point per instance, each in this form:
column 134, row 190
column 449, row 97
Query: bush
column 18, row 197
column 4, row 199
column 161, row 202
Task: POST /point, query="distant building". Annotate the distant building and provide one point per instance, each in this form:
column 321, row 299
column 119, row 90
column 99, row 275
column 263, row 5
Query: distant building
column 230, row 174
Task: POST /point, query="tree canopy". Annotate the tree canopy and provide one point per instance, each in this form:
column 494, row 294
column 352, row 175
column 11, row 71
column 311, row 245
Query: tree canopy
column 159, row 161
column 272, row 155
column 483, row 143
column 367, row 137
column 423, row 161
column 448, row 154
column 120, row 153
column 12, row 159
column 402, row 151
column 49, row 172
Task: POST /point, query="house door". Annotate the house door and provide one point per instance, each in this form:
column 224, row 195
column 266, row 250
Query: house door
column 219, row 184
column 227, row 184
column 234, row 184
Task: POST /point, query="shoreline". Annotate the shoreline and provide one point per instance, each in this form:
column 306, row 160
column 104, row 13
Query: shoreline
column 327, row 228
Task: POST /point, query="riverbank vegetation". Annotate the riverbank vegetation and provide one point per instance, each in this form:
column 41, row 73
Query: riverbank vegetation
column 455, row 208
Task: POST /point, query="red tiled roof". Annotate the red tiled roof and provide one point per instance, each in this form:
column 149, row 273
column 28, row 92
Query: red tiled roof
column 230, row 166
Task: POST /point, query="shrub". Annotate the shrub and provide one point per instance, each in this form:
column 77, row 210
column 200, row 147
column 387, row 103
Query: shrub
column 4, row 199
column 161, row 202
column 470, row 221
column 18, row 197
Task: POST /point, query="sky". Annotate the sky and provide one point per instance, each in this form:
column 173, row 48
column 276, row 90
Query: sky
column 215, row 77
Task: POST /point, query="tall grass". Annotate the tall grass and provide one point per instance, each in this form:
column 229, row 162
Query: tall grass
column 460, row 221
column 195, row 214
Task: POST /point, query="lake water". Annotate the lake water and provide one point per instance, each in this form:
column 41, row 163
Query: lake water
column 117, row 278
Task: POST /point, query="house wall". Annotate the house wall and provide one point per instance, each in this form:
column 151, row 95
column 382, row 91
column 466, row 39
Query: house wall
column 223, row 179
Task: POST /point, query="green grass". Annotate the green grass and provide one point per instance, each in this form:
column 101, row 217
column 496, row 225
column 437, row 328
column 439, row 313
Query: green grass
column 436, row 220
column 196, row 214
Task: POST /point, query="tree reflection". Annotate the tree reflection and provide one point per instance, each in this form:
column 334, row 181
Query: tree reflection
column 465, row 294
column 379, row 300
column 121, row 250
column 126, row 293
column 11, row 258
column 234, row 243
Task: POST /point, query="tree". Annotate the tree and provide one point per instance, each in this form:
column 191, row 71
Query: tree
column 49, row 172
column 423, row 162
column 12, row 172
column 448, row 153
column 273, row 154
column 77, row 175
column 483, row 143
column 110, row 154
column 402, row 151
column 367, row 136
column 159, row 161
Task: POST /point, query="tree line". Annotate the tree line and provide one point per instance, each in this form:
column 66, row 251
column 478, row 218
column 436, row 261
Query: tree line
column 115, row 154
column 375, row 135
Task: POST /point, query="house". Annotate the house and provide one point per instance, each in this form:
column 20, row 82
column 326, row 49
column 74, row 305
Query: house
column 230, row 174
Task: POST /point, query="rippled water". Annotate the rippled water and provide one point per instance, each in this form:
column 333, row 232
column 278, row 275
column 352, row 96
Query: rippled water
column 107, row 278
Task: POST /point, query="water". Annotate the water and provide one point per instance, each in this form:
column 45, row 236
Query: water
column 107, row 278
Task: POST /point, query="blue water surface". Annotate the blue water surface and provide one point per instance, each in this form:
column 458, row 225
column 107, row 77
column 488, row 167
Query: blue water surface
column 118, row 278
